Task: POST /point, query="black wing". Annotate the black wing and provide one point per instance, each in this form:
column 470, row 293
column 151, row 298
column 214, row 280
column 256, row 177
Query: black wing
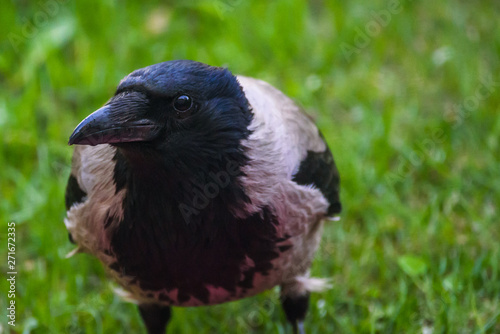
column 74, row 194
column 319, row 169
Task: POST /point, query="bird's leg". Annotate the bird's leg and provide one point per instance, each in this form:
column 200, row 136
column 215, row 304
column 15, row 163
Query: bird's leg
column 295, row 307
column 155, row 317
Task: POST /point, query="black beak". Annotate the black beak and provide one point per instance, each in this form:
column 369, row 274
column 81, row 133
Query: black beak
column 114, row 123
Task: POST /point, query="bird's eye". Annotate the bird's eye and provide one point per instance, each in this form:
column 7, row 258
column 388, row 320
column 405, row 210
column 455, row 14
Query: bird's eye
column 182, row 104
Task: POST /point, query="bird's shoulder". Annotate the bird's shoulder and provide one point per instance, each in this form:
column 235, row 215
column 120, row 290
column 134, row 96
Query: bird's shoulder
column 290, row 143
column 276, row 112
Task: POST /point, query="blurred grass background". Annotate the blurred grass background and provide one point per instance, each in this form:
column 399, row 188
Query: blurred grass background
column 409, row 103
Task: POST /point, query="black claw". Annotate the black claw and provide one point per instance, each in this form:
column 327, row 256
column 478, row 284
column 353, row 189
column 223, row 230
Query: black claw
column 155, row 317
column 295, row 310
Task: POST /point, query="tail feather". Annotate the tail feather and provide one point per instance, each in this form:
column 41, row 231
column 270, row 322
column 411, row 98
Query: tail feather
column 302, row 285
column 314, row 284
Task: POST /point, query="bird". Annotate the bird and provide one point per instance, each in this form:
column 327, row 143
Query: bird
column 194, row 186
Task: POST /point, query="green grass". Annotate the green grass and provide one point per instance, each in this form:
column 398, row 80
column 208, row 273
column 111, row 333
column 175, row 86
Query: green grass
column 418, row 243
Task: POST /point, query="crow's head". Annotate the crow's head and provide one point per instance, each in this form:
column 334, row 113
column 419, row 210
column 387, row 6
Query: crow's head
column 180, row 108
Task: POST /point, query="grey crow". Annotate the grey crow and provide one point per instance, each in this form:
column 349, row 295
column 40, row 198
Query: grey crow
column 194, row 186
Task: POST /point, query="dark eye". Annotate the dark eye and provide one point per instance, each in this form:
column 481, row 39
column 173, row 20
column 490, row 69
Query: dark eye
column 183, row 103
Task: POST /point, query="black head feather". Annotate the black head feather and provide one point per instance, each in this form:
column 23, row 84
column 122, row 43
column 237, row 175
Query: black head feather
column 187, row 152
